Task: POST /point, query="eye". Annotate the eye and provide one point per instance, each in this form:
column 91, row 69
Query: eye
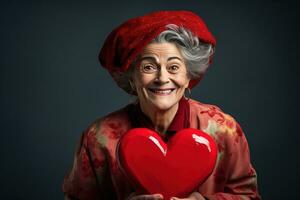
column 173, row 68
column 148, row 68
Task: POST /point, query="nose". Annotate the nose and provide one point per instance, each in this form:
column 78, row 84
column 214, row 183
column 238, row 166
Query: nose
column 162, row 76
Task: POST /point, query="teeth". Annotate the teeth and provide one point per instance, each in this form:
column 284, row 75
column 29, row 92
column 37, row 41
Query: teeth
column 163, row 91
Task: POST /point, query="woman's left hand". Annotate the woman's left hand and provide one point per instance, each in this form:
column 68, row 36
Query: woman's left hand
column 193, row 196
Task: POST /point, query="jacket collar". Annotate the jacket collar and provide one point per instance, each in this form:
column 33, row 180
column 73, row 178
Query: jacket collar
column 180, row 121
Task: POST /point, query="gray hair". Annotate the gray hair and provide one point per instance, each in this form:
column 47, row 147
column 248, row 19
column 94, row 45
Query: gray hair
column 195, row 53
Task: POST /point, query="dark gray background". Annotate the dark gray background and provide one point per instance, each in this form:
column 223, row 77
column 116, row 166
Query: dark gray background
column 52, row 86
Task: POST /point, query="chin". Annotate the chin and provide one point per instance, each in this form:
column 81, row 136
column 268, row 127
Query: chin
column 165, row 104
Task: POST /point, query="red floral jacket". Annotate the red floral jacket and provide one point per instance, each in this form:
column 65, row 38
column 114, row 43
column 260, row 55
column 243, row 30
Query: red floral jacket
column 96, row 175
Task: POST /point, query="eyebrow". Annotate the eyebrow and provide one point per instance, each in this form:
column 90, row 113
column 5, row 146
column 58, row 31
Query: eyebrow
column 154, row 60
column 174, row 57
column 149, row 58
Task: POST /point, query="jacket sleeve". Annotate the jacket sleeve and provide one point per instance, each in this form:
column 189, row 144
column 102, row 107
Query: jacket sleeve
column 89, row 177
column 241, row 182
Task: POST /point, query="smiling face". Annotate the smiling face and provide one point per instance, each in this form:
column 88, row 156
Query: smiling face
column 160, row 77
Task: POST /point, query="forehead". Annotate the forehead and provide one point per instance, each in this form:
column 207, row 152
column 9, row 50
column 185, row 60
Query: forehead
column 161, row 50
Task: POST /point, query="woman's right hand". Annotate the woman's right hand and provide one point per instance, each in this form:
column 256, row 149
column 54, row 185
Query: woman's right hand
column 134, row 196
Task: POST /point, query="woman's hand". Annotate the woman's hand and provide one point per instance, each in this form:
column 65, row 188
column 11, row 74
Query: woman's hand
column 193, row 196
column 134, row 196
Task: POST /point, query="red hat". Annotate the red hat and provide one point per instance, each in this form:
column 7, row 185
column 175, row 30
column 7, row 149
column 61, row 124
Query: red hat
column 125, row 42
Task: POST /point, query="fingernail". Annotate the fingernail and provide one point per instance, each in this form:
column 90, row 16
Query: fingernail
column 159, row 196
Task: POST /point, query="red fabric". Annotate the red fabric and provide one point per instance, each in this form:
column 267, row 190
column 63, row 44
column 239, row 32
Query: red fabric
column 125, row 42
column 181, row 119
column 95, row 173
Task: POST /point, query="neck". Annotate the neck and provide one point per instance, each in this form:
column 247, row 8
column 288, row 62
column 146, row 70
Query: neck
column 161, row 119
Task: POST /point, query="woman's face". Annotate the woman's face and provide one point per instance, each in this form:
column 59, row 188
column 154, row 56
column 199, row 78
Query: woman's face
column 160, row 77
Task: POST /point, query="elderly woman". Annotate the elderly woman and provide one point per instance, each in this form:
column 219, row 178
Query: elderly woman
column 159, row 57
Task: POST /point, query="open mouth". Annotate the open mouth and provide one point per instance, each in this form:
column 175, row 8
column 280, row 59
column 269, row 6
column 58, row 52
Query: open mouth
column 162, row 91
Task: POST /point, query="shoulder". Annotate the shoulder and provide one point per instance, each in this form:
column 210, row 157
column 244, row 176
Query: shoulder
column 107, row 128
column 213, row 120
column 203, row 108
column 225, row 130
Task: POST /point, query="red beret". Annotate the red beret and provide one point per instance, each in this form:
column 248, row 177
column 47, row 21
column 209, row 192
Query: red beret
column 125, row 42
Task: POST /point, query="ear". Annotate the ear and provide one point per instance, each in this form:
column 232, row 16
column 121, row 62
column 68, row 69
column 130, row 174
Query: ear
column 131, row 75
column 187, row 82
column 131, row 82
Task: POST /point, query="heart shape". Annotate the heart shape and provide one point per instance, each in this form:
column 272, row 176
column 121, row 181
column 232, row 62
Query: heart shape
column 173, row 169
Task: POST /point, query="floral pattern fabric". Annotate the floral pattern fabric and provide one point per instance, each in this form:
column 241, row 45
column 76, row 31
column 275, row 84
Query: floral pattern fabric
column 96, row 175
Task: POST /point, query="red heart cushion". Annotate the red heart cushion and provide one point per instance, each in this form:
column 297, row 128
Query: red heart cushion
column 173, row 169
